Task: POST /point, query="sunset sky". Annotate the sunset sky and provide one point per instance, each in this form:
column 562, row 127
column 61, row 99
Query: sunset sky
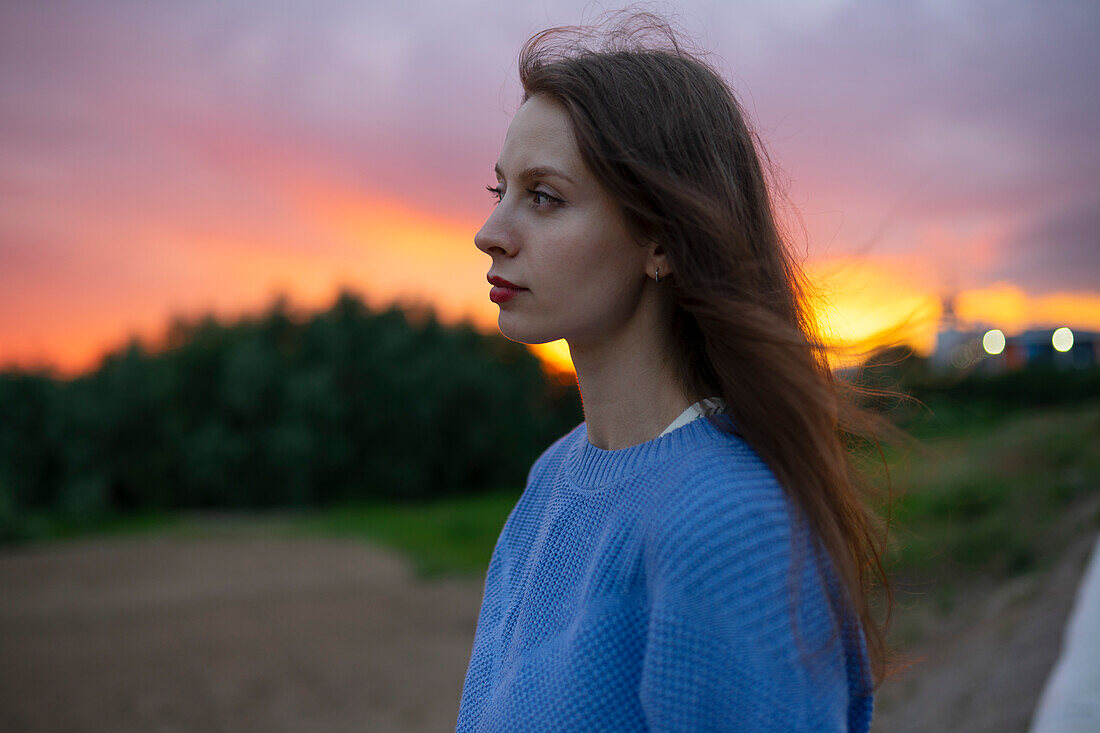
column 175, row 158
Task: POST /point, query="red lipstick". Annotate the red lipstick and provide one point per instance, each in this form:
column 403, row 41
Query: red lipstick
column 503, row 291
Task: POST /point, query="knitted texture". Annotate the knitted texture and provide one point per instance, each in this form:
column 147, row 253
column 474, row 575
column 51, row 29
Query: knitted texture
column 665, row 586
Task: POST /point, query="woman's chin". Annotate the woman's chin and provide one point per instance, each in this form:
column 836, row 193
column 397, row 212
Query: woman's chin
column 514, row 329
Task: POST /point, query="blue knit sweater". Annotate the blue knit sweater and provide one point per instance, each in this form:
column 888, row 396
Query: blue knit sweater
column 654, row 588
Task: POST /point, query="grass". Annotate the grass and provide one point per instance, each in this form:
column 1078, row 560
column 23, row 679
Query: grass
column 992, row 495
column 55, row 526
column 444, row 536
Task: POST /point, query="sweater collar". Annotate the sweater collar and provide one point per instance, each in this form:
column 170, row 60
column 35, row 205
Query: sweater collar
column 589, row 467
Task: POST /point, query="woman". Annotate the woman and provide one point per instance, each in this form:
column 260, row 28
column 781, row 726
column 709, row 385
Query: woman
column 693, row 556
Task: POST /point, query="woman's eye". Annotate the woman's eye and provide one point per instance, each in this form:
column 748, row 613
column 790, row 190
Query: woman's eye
column 496, row 191
column 541, row 198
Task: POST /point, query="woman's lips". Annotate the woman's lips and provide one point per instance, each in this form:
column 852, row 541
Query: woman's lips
column 502, row 290
column 499, row 294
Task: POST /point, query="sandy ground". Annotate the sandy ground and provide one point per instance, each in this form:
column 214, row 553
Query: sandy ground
column 228, row 634
column 246, row 633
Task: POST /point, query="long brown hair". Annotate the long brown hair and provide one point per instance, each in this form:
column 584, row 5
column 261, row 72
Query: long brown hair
column 666, row 136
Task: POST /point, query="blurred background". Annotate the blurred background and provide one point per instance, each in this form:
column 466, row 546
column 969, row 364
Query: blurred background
column 258, row 430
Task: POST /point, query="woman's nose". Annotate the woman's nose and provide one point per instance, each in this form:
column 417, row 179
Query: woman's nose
column 494, row 238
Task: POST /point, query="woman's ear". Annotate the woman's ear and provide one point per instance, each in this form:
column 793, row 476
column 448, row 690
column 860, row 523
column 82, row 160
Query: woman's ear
column 657, row 264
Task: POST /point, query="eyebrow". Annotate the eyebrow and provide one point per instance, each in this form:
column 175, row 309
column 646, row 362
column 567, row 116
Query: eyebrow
column 538, row 171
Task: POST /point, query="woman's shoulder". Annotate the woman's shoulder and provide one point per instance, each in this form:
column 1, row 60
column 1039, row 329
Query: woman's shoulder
column 718, row 505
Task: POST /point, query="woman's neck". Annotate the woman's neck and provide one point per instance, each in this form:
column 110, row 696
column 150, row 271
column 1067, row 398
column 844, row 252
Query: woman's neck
column 628, row 385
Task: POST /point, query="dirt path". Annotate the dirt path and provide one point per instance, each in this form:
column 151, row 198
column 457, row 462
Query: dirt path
column 228, row 634
column 246, row 633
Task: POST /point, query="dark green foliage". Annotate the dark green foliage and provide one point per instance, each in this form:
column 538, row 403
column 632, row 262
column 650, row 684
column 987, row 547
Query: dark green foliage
column 346, row 405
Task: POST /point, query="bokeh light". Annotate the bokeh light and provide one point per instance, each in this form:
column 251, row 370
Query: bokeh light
column 993, row 341
column 1062, row 339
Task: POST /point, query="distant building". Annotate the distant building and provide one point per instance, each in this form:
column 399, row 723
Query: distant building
column 953, row 350
column 988, row 350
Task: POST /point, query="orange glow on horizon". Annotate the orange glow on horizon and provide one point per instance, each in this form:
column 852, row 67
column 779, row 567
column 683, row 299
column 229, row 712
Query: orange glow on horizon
column 861, row 305
column 392, row 253
column 1010, row 309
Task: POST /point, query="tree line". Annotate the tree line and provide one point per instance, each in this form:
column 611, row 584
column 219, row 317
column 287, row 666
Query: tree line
column 343, row 405
column 347, row 404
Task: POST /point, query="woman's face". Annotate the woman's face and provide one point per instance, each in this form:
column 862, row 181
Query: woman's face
column 559, row 236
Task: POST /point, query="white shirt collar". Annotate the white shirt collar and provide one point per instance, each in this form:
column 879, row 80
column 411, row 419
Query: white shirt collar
column 702, row 408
